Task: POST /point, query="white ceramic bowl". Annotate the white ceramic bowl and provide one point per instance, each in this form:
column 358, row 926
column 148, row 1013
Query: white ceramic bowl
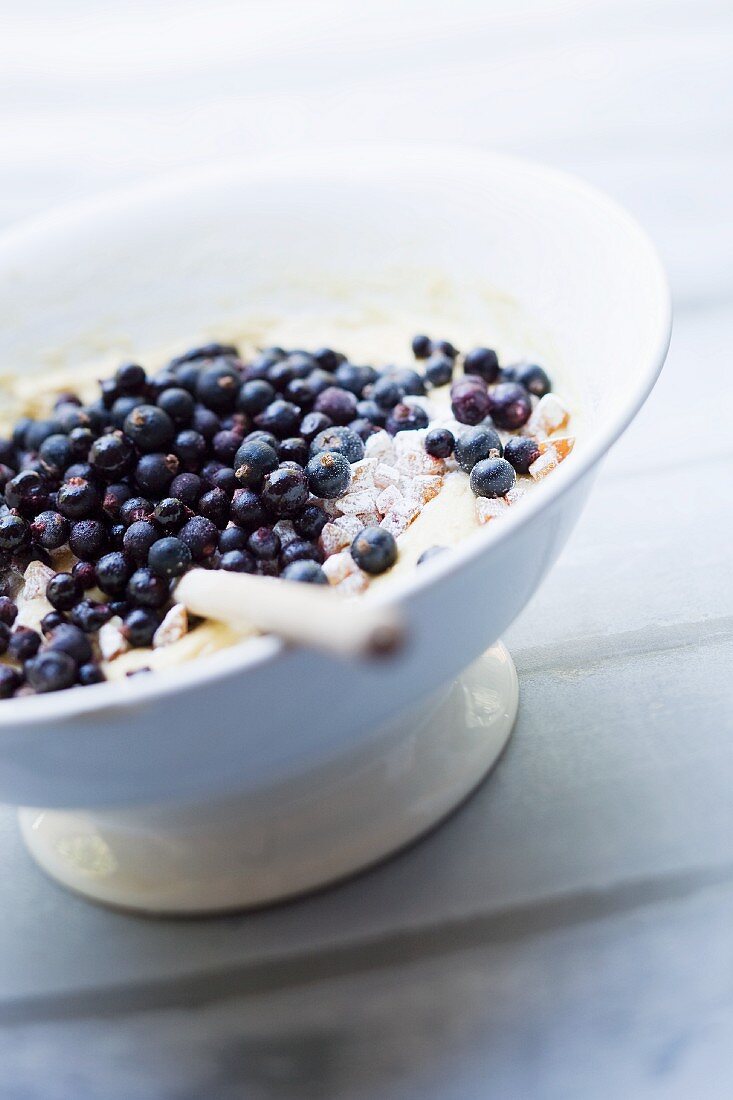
column 532, row 256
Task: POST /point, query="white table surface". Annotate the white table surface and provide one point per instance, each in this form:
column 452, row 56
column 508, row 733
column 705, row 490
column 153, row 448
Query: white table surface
column 568, row 933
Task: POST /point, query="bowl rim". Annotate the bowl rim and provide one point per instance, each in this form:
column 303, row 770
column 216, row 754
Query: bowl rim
column 254, row 651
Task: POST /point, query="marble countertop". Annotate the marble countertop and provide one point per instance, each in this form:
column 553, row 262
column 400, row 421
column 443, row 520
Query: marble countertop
column 567, row 933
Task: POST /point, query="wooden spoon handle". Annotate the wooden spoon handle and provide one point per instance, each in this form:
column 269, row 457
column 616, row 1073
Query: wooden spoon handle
column 308, row 615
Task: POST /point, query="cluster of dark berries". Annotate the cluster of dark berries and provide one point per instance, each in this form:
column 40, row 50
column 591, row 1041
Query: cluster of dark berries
column 211, row 462
column 487, row 397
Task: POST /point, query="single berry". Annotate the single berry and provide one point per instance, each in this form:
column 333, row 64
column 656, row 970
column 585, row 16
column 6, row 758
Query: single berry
column 509, row 405
column 521, row 452
column 139, row 537
column 170, row 513
column 218, row 386
column 85, row 573
column 162, row 381
column 27, row 493
column 89, row 674
column 307, row 572
column 140, row 626
column 113, row 572
column 39, row 430
column 492, row 477
column 80, row 440
column 50, row 621
column 252, row 462
column 350, row 376
column 237, row 561
column 439, row 370
column 155, row 472
column 112, row 455
column 440, row 443
column 187, row 488
column 444, row 347
column 169, row 557
column 89, row 615
column 6, row 474
column 200, row 536
column 14, row 533
column 368, row 409
column 178, row 404
column 300, row 550
column 20, row 428
column 421, row 346
column 80, row 470
column 88, row 539
column 204, row 351
column 225, row 445
column 8, row 610
column 300, row 363
column 226, row 481
column 374, row 550
column 205, row 422
column 313, row 423
column 134, row 509
column 77, row 498
column 264, row 543
column 329, row 474
column 406, row 418
column 473, row 444
column 294, row 449
column 340, row 439
column 262, row 437
column 122, row 408
column 63, row 591
column 114, row 497
column 149, row 428
column 279, row 417
column 386, row 392
column 363, row 427
column 470, row 401
column 327, row 359
column 56, row 454
column 279, row 375
column 50, row 529
column 246, row 509
column 482, row 361
column 68, row 638
column 232, row 538
column 24, row 643
column 52, row 670
column 534, row 379
column 147, row 589
column 130, row 378
column 285, row 491
column 310, row 522
column 410, row 382
column 254, row 396
column 10, row 681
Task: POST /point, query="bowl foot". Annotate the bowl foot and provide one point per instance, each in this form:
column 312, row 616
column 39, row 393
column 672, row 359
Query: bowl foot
column 252, row 850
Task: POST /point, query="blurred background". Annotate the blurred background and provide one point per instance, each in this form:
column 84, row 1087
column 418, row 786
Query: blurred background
column 636, row 95
column 625, row 991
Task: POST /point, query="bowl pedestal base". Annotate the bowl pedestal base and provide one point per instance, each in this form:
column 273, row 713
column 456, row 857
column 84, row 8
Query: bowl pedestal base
column 323, row 825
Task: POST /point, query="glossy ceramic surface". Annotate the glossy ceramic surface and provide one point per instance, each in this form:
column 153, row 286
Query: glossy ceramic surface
column 303, row 233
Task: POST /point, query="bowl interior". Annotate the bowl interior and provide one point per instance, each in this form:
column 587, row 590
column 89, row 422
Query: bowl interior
column 359, row 248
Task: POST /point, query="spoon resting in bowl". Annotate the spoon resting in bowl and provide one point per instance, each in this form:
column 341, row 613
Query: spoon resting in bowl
column 299, row 613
